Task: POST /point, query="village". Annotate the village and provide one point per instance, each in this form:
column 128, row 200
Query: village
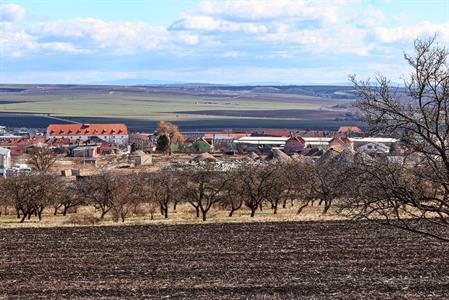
column 83, row 149
column 224, row 149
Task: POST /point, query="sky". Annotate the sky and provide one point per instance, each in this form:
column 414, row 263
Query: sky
column 226, row 42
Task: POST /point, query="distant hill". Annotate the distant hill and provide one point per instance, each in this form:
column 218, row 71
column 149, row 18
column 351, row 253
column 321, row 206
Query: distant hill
column 135, row 81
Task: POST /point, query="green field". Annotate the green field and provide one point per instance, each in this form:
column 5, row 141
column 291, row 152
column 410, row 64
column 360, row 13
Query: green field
column 172, row 103
column 150, row 103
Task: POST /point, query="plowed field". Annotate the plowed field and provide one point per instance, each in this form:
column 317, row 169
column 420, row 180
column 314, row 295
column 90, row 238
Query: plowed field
column 313, row 260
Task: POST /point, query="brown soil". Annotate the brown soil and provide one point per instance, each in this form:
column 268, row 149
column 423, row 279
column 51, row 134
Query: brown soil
column 313, row 260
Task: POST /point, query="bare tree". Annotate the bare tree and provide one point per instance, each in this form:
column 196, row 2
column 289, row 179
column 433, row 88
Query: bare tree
column 99, row 190
column 31, row 194
column 41, row 158
column 166, row 185
column 282, row 187
column 394, row 192
column 159, row 188
column 232, row 196
column 125, row 198
column 257, row 181
column 418, row 114
column 299, row 182
column 67, row 198
column 327, row 182
column 203, row 189
column 5, row 202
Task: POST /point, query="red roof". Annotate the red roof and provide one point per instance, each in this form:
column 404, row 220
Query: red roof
column 341, row 140
column 348, row 129
column 87, row 129
column 296, row 139
column 53, row 142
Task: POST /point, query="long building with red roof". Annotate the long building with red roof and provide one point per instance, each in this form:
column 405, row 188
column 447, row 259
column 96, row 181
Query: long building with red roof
column 111, row 133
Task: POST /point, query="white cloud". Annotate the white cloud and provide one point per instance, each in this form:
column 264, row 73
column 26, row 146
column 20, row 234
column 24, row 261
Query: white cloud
column 62, row 47
column 14, row 44
column 408, row 33
column 11, row 12
column 189, row 39
column 310, row 25
column 98, row 34
column 333, row 27
column 207, row 23
column 226, row 26
column 254, row 10
column 230, row 40
column 82, row 36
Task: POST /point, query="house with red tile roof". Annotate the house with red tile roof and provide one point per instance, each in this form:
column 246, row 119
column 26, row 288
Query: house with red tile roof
column 341, row 143
column 294, row 145
column 349, row 130
column 111, row 133
column 18, row 145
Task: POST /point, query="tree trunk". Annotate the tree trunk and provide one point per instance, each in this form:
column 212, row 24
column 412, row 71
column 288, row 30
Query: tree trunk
column 253, row 212
column 327, row 205
column 39, row 213
column 197, row 211
column 23, row 218
column 301, row 208
column 103, row 213
column 164, row 210
column 64, row 212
